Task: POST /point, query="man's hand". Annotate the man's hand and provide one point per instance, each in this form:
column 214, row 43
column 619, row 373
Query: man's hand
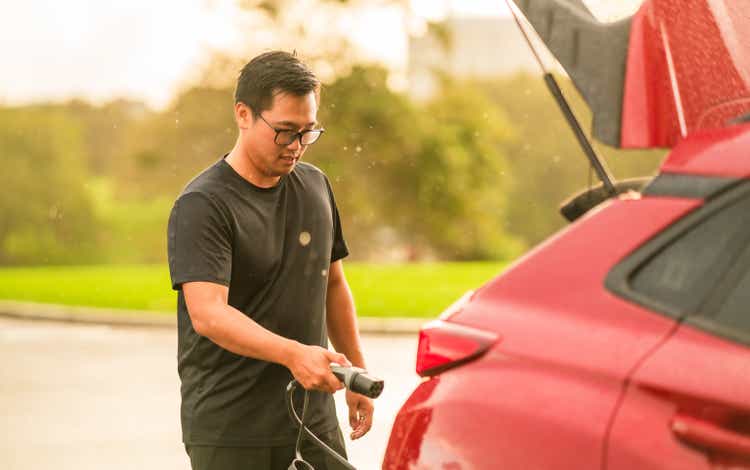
column 360, row 414
column 311, row 367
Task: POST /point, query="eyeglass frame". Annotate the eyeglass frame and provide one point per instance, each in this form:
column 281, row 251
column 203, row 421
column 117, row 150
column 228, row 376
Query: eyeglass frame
column 295, row 136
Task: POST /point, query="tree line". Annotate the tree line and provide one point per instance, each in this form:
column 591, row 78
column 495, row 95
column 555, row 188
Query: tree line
column 475, row 172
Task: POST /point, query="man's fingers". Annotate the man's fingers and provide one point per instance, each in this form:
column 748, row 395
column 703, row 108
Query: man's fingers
column 357, row 430
column 364, row 426
column 362, row 421
column 327, row 382
column 334, row 383
column 338, row 358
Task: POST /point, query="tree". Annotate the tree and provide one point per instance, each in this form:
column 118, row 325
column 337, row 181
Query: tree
column 46, row 214
column 546, row 162
column 164, row 151
column 433, row 172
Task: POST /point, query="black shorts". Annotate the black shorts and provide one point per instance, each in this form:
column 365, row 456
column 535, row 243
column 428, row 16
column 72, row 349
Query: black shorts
column 270, row 458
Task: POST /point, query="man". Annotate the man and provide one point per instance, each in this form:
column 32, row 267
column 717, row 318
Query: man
column 255, row 247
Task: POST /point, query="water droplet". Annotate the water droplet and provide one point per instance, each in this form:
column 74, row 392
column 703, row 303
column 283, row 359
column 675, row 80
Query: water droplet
column 304, row 238
column 55, row 213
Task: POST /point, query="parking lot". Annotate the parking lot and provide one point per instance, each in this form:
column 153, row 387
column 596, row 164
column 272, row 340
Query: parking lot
column 93, row 397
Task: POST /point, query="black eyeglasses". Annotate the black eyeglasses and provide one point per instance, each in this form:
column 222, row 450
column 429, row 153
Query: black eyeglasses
column 285, row 136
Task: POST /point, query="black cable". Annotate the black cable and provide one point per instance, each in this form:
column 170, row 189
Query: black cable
column 304, row 429
column 297, row 450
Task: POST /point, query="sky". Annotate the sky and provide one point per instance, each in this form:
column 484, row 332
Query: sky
column 145, row 49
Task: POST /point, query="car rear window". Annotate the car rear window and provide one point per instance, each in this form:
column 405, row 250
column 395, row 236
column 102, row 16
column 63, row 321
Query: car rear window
column 735, row 311
column 698, row 269
column 685, row 271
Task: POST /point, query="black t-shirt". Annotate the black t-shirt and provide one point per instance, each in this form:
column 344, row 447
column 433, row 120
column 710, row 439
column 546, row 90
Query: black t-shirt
column 272, row 247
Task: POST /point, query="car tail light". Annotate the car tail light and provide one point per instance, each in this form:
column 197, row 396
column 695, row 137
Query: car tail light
column 443, row 345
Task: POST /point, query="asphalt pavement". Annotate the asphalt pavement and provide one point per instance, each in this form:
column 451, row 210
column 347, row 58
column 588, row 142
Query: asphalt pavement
column 97, row 397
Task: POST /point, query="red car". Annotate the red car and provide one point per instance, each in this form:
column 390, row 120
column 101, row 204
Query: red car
column 622, row 342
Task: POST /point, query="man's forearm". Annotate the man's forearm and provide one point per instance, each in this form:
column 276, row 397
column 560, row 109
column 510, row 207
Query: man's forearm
column 341, row 321
column 236, row 332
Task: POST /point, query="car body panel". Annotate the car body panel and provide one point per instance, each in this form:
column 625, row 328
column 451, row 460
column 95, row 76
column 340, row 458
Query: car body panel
column 542, row 303
column 556, row 375
column 581, row 376
column 719, row 152
column 688, row 68
column 693, row 374
column 542, row 416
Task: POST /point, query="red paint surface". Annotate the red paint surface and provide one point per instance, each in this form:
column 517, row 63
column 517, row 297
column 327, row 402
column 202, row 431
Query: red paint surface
column 581, row 378
column 718, row 152
column 710, row 49
column 543, row 396
column 695, row 375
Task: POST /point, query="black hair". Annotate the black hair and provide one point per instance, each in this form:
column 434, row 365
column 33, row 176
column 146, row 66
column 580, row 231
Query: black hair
column 271, row 73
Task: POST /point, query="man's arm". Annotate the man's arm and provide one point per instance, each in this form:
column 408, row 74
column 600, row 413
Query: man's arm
column 214, row 318
column 341, row 317
column 341, row 321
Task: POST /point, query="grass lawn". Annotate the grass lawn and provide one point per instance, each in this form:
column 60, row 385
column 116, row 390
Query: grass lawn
column 406, row 290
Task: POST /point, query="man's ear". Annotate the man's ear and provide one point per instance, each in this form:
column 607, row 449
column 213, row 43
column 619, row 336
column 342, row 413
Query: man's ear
column 243, row 115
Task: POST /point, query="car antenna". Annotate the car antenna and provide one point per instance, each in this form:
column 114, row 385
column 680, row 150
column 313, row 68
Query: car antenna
column 596, row 161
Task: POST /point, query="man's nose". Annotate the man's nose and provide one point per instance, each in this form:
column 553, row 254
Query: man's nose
column 296, row 144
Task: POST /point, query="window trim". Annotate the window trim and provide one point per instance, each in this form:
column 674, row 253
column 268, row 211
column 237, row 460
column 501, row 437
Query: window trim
column 688, row 186
column 618, row 280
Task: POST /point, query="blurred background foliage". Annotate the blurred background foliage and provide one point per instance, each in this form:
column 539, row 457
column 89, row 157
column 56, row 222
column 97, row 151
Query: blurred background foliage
column 477, row 172
column 474, row 173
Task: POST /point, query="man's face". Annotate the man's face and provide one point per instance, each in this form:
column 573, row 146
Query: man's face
column 287, row 113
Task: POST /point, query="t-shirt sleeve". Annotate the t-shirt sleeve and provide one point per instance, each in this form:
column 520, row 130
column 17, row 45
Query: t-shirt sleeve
column 339, row 249
column 198, row 242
